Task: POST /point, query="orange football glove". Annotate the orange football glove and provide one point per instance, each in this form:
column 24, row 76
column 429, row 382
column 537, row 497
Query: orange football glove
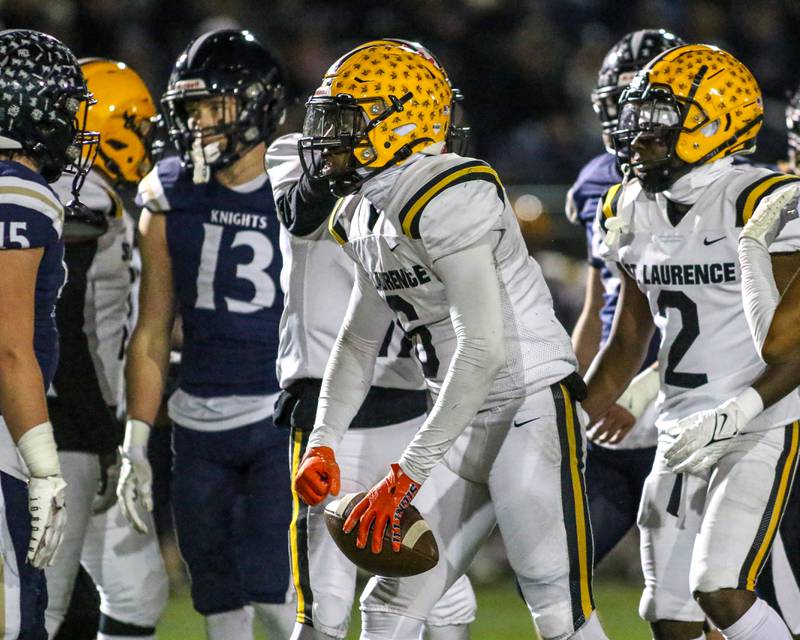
column 317, row 476
column 383, row 505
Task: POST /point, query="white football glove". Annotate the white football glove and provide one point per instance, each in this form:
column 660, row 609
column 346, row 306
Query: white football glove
column 37, row 447
column 771, row 215
column 702, row 438
column 48, row 519
column 135, row 487
column 642, row 390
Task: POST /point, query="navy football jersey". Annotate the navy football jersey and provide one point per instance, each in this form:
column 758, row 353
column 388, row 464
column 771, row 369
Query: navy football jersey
column 226, row 266
column 31, row 216
column 600, row 173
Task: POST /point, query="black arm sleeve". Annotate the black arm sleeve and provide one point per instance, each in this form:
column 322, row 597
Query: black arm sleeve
column 305, row 206
column 81, row 419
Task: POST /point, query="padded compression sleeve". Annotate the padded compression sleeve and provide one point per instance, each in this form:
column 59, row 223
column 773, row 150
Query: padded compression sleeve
column 348, row 374
column 759, row 293
column 473, row 293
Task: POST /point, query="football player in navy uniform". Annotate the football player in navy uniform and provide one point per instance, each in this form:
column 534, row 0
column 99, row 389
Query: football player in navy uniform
column 93, row 318
column 209, row 243
column 40, row 136
column 621, row 448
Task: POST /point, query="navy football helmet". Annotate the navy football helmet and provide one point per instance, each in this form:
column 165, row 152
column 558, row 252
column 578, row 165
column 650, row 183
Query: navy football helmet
column 42, row 90
column 793, row 126
column 620, row 64
column 226, row 62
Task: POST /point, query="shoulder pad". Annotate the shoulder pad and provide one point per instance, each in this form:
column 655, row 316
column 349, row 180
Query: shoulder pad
column 750, row 197
column 154, row 187
column 465, row 171
column 609, row 201
column 340, row 217
column 18, row 189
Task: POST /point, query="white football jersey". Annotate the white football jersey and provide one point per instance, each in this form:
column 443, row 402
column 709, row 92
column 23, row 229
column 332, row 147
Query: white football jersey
column 110, row 280
column 691, row 276
column 431, row 207
column 317, row 278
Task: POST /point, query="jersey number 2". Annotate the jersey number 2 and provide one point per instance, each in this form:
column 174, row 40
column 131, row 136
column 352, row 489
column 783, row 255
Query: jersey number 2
column 690, row 330
column 254, row 271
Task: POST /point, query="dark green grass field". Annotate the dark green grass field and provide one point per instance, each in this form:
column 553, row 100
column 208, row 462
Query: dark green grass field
column 501, row 614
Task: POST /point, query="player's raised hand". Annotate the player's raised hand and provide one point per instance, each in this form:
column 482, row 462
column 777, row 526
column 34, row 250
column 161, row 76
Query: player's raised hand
column 317, row 476
column 48, row 519
column 135, row 487
column 383, row 505
column 771, row 215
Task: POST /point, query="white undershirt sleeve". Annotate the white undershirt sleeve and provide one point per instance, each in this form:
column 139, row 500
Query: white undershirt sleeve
column 348, row 374
column 759, row 292
column 473, row 293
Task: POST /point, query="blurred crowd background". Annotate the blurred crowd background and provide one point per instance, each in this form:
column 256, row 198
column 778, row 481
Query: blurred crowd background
column 526, row 67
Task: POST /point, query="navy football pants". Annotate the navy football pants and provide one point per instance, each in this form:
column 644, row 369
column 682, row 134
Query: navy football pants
column 231, row 500
column 32, row 589
column 614, row 481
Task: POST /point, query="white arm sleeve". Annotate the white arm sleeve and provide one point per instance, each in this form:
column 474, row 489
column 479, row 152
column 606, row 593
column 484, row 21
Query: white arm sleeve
column 473, row 293
column 348, row 374
column 759, row 293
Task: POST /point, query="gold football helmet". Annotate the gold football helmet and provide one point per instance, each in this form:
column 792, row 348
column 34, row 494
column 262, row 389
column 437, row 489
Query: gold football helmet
column 376, row 106
column 123, row 113
column 699, row 101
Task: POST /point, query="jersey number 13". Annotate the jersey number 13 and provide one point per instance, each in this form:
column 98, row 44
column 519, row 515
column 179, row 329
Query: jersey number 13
column 254, row 271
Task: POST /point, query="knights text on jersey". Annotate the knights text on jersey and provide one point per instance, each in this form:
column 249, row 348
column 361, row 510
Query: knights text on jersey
column 317, row 279
column 437, row 205
column 226, row 265
column 31, row 216
column 691, row 276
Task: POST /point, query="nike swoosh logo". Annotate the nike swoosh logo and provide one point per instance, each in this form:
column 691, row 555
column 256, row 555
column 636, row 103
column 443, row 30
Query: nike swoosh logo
column 708, row 242
column 394, row 247
column 718, row 431
column 519, row 424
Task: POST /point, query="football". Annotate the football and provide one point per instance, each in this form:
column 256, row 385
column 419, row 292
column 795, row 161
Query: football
column 418, row 549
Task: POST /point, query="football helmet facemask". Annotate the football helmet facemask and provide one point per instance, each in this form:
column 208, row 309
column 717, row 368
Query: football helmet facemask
column 793, row 126
column 124, row 114
column 43, row 90
column 689, row 106
column 245, row 78
column 378, row 104
column 618, row 68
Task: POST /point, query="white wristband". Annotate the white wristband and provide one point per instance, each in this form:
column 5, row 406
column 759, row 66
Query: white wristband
column 137, row 435
column 750, row 403
column 38, row 449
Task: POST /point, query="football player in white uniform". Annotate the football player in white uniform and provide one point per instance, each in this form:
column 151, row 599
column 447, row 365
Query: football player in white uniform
column 772, row 321
column 435, row 241
column 714, row 499
column 93, row 321
column 317, row 280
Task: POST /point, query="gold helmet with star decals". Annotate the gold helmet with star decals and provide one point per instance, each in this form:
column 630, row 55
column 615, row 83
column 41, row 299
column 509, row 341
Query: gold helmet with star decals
column 376, row 106
column 704, row 102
